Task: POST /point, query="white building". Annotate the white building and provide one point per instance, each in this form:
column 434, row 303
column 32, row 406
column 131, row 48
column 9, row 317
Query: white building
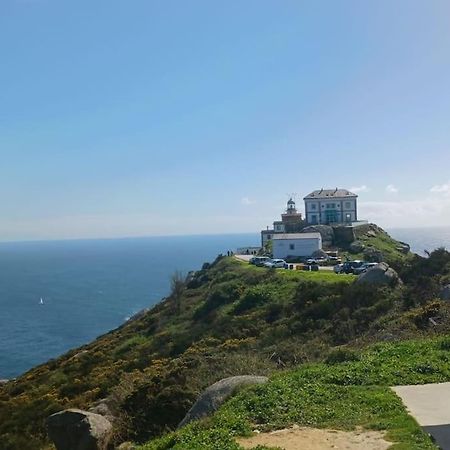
column 331, row 206
column 295, row 244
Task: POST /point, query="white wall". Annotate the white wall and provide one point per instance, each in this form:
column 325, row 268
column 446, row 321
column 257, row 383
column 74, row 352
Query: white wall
column 342, row 206
column 301, row 247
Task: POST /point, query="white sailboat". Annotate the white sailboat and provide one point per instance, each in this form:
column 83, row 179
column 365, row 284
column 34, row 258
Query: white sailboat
column 41, row 301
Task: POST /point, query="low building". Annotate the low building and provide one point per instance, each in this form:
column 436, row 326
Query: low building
column 295, row 244
column 331, row 206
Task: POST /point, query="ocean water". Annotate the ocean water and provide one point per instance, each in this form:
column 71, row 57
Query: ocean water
column 92, row 286
column 88, row 287
column 423, row 239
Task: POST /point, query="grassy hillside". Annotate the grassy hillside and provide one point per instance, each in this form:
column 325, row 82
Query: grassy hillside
column 349, row 390
column 228, row 319
column 374, row 237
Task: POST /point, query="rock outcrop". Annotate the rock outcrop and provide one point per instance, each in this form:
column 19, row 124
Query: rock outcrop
column 404, row 247
column 213, row 397
column 373, row 255
column 74, row 429
column 356, row 247
column 325, row 231
column 445, row 293
column 381, row 274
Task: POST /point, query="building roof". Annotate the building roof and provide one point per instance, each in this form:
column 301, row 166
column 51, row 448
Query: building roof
column 281, row 236
column 330, row 193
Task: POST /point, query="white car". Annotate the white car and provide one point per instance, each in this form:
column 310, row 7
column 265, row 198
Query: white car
column 338, row 268
column 275, row 264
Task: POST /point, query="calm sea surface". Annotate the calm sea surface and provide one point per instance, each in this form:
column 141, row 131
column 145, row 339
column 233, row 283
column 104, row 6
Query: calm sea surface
column 90, row 287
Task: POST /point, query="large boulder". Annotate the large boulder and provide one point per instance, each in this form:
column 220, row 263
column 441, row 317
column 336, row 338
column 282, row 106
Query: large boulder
column 213, row 397
column 445, row 293
column 74, row 429
column 381, row 274
column 326, row 232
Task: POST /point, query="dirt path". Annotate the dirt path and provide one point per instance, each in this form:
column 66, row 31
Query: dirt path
column 297, row 438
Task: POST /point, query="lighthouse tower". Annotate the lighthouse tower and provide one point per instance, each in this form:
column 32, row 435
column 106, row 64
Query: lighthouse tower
column 291, row 222
column 291, row 219
column 291, row 209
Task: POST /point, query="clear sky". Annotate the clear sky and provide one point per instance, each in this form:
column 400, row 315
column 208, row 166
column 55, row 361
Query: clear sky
column 140, row 117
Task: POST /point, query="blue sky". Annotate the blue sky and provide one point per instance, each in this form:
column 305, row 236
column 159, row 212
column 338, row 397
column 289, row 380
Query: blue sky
column 132, row 118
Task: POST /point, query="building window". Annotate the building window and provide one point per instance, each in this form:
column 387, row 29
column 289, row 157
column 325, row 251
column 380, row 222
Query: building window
column 331, row 205
column 348, row 205
column 313, row 206
column 291, row 246
column 269, row 237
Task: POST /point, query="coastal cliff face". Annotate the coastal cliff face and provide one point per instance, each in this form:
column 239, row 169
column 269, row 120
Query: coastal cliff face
column 228, row 319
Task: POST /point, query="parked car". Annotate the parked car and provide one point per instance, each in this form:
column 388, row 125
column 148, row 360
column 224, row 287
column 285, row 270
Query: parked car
column 338, row 268
column 334, row 260
column 252, row 260
column 363, row 268
column 349, row 266
column 275, row 264
column 261, row 260
column 318, row 261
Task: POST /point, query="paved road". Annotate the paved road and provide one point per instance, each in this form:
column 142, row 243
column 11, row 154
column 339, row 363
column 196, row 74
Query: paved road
column 429, row 404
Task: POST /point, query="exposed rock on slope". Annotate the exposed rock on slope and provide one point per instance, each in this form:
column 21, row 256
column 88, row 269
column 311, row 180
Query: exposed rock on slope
column 211, row 399
column 381, row 274
column 74, row 429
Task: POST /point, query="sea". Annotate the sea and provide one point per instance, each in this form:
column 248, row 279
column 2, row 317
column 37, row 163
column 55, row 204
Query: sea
column 57, row 295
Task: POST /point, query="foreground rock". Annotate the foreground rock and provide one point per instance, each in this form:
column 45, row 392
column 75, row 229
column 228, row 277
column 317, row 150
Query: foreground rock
column 213, row 397
column 381, row 274
column 74, row 429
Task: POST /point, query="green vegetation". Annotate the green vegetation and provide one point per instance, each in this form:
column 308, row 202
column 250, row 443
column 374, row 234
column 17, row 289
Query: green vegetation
column 231, row 318
column 377, row 239
column 342, row 395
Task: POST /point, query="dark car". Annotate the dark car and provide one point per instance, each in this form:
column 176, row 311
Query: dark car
column 349, row 266
column 363, row 268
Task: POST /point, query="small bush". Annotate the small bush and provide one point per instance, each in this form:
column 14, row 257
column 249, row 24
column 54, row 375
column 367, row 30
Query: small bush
column 341, row 355
column 253, row 297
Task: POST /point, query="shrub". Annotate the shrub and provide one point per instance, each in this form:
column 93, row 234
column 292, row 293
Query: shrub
column 220, row 295
column 341, row 355
column 255, row 296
